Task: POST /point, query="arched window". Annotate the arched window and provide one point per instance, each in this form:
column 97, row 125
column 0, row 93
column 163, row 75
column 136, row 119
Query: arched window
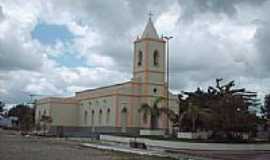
column 156, row 58
column 145, row 118
column 93, row 118
column 140, row 58
column 100, row 117
column 85, row 117
column 108, row 115
column 104, row 103
column 123, row 120
column 124, row 110
column 39, row 114
column 155, row 90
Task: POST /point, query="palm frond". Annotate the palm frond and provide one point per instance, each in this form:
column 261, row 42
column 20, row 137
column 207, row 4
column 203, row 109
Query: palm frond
column 158, row 100
column 145, row 108
column 170, row 113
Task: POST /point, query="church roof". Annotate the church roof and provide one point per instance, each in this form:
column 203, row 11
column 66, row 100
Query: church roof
column 150, row 30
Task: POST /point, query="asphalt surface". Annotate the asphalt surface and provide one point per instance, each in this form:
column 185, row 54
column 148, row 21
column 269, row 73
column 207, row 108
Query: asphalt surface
column 17, row 147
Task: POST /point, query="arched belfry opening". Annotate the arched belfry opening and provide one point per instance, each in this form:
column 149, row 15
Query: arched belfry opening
column 140, row 58
column 156, row 58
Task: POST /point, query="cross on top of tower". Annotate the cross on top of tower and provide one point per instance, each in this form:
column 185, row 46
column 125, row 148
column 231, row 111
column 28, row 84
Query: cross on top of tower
column 150, row 14
column 150, row 31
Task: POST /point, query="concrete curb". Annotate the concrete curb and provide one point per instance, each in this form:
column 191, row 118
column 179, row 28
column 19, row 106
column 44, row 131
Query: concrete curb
column 126, row 150
column 189, row 145
column 143, row 152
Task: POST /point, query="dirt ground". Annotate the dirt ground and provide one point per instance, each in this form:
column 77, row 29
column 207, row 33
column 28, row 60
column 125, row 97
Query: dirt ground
column 227, row 155
column 16, row 147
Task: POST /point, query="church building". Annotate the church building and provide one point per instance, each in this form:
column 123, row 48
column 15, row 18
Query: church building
column 115, row 108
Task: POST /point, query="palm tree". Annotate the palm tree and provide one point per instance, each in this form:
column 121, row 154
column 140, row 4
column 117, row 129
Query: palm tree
column 154, row 111
column 177, row 117
column 182, row 110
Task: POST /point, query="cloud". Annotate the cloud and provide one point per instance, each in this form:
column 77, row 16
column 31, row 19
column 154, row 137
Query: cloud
column 1, row 14
column 193, row 8
column 113, row 24
column 226, row 38
column 17, row 55
column 262, row 39
column 17, row 50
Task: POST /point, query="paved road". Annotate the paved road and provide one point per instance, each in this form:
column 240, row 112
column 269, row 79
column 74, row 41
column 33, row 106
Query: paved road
column 17, row 147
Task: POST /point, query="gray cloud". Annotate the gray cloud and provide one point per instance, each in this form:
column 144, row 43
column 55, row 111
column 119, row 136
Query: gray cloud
column 1, row 14
column 192, row 8
column 262, row 42
column 15, row 56
column 201, row 51
column 17, row 51
column 114, row 20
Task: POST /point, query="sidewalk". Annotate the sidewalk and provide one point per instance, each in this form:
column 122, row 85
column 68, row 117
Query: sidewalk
column 152, row 151
column 189, row 145
column 181, row 150
column 182, row 154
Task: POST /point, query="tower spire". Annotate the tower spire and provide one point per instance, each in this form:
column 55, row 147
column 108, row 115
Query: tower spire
column 150, row 30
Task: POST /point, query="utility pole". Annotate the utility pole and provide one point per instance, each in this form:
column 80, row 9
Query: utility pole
column 167, row 38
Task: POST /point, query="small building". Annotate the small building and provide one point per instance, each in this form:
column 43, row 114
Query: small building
column 115, row 108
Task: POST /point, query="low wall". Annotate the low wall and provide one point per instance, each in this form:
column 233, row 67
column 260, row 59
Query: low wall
column 187, row 145
column 88, row 131
column 149, row 132
column 190, row 135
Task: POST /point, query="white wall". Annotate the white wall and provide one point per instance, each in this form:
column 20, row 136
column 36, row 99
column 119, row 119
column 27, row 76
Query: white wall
column 97, row 104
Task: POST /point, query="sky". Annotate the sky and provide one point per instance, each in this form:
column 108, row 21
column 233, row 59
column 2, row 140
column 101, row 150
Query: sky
column 58, row 47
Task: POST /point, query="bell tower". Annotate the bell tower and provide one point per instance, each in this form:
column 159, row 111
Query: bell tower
column 149, row 61
column 149, row 71
column 149, row 56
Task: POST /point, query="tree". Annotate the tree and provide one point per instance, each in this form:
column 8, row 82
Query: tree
column 2, row 105
column 266, row 107
column 182, row 111
column 231, row 108
column 221, row 109
column 194, row 112
column 25, row 116
column 154, row 111
column 188, row 111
